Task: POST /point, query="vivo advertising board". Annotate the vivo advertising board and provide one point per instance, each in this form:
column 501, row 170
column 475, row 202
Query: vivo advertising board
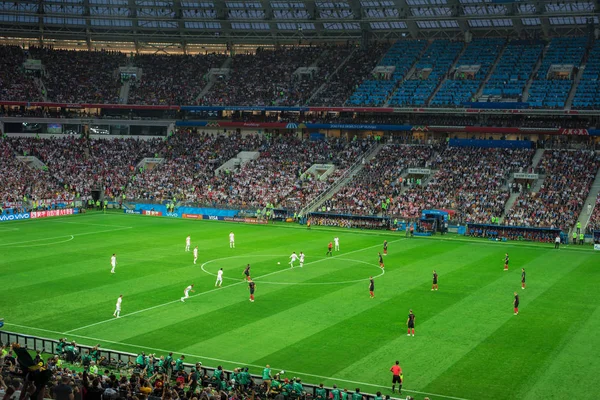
column 14, row 217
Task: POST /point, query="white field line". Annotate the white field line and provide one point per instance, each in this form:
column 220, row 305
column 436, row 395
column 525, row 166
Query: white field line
column 85, row 223
column 47, row 244
column 217, row 289
column 331, row 378
column 66, row 236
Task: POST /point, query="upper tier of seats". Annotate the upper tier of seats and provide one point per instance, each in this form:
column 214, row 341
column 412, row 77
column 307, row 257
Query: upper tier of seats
column 460, row 87
column 588, row 91
column 429, row 71
column 375, row 92
column 514, row 69
column 550, row 91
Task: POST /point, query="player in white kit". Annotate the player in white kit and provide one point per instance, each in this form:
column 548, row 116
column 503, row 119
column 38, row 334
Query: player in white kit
column 336, row 242
column 118, row 307
column 293, row 258
column 186, row 292
column 231, row 240
column 301, row 259
column 195, row 254
column 188, row 242
column 113, row 263
column 219, row 281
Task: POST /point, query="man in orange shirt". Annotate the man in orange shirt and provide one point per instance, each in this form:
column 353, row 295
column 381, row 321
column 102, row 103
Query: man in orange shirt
column 397, row 377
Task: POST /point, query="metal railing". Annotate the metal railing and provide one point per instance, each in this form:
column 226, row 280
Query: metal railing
column 46, row 345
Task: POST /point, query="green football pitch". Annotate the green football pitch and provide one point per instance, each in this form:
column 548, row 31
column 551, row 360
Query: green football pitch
column 317, row 322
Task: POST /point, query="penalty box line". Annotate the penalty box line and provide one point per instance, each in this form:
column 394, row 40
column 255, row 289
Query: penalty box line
column 218, row 289
column 96, row 340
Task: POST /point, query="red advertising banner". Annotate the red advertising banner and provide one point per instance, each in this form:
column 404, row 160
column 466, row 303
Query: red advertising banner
column 191, row 216
column 51, row 213
column 152, row 213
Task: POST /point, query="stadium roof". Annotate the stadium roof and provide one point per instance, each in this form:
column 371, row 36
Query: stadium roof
column 188, row 22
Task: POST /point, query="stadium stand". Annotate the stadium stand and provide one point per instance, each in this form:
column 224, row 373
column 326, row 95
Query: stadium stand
column 19, row 182
column 188, row 170
column 80, row 165
column 513, row 71
column 340, row 86
column 279, row 176
column 15, row 84
column 587, row 95
column 569, row 175
column 248, row 83
column 375, row 91
column 172, row 79
column 429, row 71
column 470, row 71
column 80, row 76
column 550, row 88
column 594, row 223
column 368, row 191
column 470, row 181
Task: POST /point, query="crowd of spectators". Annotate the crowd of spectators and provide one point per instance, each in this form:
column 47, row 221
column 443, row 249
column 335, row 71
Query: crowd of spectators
column 279, row 175
column 265, row 78
column 76, row 373
column 80, row 76
column 379, row 180
column 81, row 165
column 171, row 79
column 18, row 182
column 569, row 175
column 594, row 223
column 471, row 181
column 339, row 86
column 15, row 83
column 188, row 171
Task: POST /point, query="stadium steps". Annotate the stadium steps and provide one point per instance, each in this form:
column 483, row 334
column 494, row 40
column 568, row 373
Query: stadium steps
column 584, row 217
column 342, row 64
column 509, row 203
column 491, row 71
column 410, row 73
column 534, row 73
column 42, row 88
column 211, row 81
column 575, row 84
column 124, row 92
column 441, row 82
column 537, row 157
column 32, row 162
column 342, row 180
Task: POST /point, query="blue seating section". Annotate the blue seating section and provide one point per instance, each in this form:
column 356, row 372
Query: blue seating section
column 456, row 91
column 402, row 55
column 439, row 56
column 553, row 93
column 588, row 90
column 514, row 69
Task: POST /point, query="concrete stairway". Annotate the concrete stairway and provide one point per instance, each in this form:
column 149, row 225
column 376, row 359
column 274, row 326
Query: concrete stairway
column 212, row 80
column 537, row 157
column 441, row 82
column 342, row 180
column 124, row 92
column 574, row 87
column 534, row 73
column 584, row 216
column 491, row 71
column 337, row 70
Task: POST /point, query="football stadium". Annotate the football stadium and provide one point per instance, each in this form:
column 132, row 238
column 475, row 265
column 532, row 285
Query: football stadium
column 299, row 199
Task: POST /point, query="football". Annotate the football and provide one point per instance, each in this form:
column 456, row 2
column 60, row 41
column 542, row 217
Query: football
column 278, row 263
column 282, row 372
